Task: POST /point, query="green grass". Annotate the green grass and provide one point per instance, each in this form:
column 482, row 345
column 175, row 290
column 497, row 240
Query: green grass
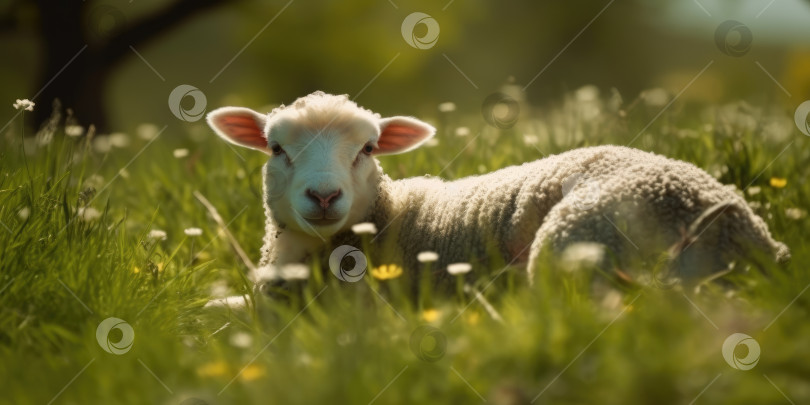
column 60, row 276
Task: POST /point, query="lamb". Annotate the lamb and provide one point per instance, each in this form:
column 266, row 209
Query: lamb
column 322, row 177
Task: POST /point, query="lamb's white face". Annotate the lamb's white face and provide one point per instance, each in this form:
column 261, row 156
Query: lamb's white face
column 321, row 176
column 321, row 179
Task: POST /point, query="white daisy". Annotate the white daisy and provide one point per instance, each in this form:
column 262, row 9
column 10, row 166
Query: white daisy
column 74, row 130
column 427, row 256
column 295, row 271
column 119, row 140
column 795, row 213
column 582, row 255
column 241, row 340
column 193, row 231
column 364, row 228
column 101, row 144
column 157, row 234
column 88, row 214
column 447, row 107
column 25, row 104
column 147, row 132
column 459, row 268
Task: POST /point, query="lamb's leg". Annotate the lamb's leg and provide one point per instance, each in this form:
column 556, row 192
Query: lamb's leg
column 634, row 240
column 644, row 242
column 722, row 234
column 567, row 224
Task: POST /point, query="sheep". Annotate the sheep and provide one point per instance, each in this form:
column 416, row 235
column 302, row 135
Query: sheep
column 323, row 176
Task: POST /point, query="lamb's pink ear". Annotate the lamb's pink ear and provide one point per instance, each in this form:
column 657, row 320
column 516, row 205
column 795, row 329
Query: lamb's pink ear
column 240, row 126
column 401, row 134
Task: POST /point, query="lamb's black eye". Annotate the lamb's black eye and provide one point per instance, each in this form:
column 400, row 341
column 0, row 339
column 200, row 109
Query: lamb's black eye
column 368, row 149
column 276, row 148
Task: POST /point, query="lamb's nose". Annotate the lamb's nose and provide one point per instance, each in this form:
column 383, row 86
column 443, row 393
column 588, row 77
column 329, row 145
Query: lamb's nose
column 324, row 199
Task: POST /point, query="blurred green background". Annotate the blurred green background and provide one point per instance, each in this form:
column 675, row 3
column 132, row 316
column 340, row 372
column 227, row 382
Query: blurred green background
column 260, row 54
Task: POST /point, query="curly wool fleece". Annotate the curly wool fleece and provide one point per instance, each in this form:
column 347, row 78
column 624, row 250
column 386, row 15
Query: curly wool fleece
column 637, row 204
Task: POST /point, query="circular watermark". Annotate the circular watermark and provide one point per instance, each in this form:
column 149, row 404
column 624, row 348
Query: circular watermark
column 338, row 263
column 500, row 110
column 733, row 38
column 187, row 114
column 104, row 20
column 428, row 343
column 591, row 190
column 749, row 360
column 802, row 117
column 103, row 336
column 276, row 182
column 426, row 41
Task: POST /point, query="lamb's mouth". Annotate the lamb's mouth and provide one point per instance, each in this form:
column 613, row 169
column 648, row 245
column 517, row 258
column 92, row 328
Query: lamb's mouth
column 321, row 218
column 323, row 221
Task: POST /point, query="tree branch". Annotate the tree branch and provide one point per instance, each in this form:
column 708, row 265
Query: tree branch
column 152, row 27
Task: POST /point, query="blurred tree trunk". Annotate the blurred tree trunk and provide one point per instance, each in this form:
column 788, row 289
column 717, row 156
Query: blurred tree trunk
column 62, row 39
column 80, row 84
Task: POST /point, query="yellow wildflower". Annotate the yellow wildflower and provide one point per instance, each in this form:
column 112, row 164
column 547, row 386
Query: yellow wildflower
column 252, row 372
column 214, row 369
column 430, row 315
column 136, row 269
column 778, row 182
column 386, row 272
column 472, row 318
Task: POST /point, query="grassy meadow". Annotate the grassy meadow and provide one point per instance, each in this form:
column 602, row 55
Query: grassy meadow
column 78, row 245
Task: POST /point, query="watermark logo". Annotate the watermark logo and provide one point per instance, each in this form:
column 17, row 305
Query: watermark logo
column 104, row 20
column 187, row 114
column 500, row 110
column 103, row 336
column 340, row 263
column 733, row 38
column 590, row 190
column 276, row 182
column 730, row 347
column 428, row 343
column 426, row 41
column 802, row 117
